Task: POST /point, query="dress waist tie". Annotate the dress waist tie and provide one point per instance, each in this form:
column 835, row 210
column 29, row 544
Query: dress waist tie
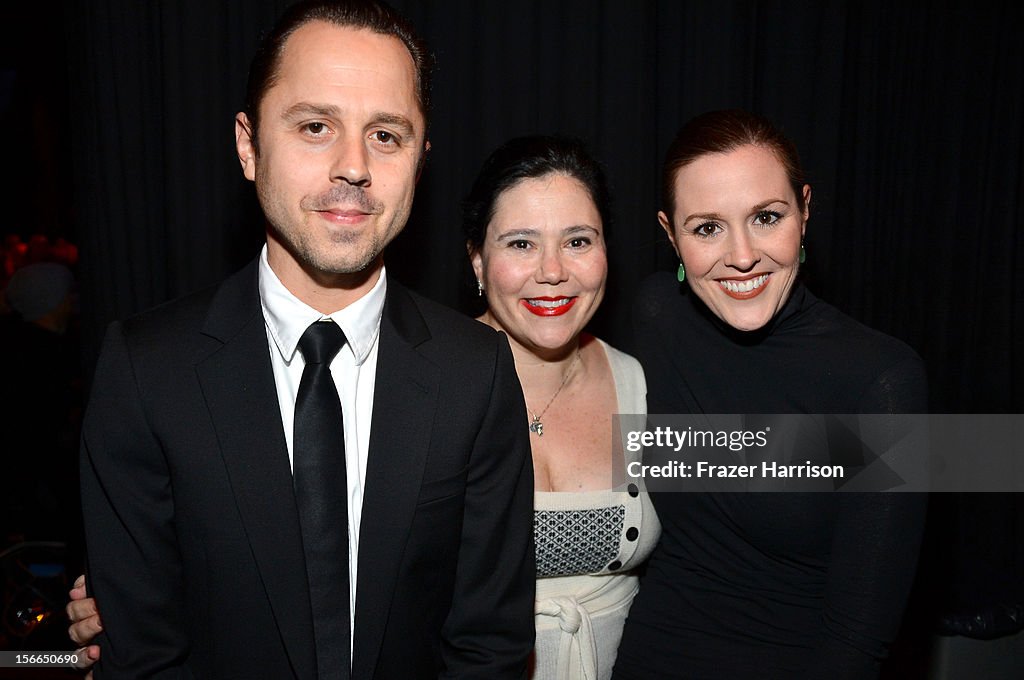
column 577, row 648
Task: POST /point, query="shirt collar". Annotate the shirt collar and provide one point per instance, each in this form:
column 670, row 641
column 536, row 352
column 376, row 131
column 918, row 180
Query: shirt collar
column 288, row 317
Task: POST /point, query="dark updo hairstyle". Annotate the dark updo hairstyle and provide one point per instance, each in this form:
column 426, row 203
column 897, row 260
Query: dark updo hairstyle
column 524, row 158
column 723, row 131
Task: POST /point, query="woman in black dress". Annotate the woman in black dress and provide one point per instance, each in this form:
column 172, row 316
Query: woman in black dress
column 763, row 585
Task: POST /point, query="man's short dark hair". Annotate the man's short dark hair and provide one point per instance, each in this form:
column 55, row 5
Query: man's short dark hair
column 371, row 15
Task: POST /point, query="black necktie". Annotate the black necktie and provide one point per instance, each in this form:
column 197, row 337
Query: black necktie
column 321, row 491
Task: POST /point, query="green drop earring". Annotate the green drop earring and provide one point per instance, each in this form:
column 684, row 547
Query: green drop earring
column 803, row 253
column 681, row 273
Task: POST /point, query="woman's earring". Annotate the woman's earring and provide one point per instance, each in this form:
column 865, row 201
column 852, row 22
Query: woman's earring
column 479, row 288
column 803, row 253
column 681, row 273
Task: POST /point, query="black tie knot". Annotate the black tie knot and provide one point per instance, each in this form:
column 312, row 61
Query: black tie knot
column 321, row 342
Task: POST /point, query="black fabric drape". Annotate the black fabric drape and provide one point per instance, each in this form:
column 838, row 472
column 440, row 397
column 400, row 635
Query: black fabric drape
column 908, row 118
column 162, row 208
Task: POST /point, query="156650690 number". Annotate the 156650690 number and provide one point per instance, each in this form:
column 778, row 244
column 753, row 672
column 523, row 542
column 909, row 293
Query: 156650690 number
column 38, row 659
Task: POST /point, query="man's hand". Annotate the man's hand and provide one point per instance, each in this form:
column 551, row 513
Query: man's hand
column 85, row 624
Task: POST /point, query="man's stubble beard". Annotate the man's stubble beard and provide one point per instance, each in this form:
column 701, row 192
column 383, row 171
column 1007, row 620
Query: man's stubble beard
column 319, row 251
column 341, row 253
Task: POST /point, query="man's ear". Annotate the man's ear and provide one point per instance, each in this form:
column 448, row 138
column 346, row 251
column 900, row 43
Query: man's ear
column 423, row 160
column 245, row 146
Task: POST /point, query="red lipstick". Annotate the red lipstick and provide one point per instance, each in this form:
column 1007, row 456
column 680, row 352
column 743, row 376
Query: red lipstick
column 548, row 306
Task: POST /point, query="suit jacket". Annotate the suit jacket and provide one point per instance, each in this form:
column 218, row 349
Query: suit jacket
column 194, row 549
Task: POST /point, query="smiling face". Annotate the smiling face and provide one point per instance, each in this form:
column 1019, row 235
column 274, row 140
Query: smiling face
column 543, row 263
column 737, row 229
column 341, row 135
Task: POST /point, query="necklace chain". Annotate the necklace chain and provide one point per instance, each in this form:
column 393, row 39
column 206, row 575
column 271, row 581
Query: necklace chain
column 536, row 426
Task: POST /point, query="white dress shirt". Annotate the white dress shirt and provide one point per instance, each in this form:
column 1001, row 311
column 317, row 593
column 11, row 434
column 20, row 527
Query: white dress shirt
column 354, row 370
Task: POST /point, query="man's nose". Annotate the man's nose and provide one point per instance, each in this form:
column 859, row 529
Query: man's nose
column 351, row 162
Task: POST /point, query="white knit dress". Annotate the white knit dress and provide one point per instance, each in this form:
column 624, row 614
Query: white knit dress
column 588, row 544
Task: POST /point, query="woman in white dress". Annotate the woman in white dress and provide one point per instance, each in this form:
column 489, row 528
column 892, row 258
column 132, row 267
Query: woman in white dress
column 535, row 223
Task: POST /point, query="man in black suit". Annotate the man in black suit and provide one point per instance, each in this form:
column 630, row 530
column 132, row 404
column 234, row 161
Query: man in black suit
column 194, row 522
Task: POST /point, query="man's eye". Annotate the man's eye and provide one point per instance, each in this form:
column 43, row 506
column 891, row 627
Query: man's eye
column 579, row 242
column 519, row 244
column 384, row 137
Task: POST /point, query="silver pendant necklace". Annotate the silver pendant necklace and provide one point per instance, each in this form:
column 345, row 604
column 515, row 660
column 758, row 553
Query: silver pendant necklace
column 536, row 426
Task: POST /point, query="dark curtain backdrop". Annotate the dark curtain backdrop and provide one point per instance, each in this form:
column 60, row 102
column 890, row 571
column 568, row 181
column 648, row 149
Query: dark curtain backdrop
column 908, row 117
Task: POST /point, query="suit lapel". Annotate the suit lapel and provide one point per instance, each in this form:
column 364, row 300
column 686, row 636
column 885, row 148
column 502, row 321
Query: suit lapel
column 238, row 385
column 405, row 398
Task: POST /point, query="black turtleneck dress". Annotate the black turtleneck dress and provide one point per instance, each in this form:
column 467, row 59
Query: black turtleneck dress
column 771, row 585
